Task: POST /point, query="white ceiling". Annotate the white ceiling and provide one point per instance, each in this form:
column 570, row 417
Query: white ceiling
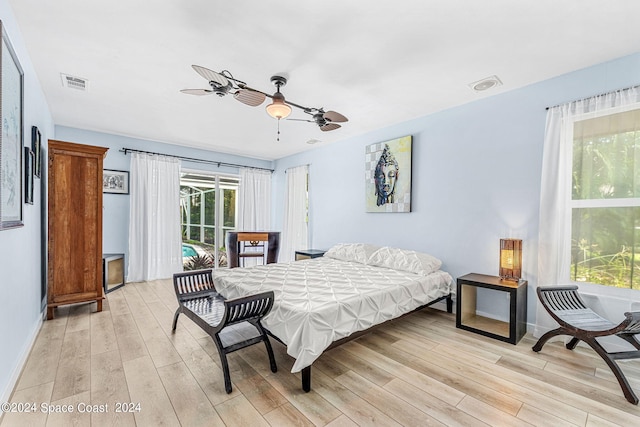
column 377, row 62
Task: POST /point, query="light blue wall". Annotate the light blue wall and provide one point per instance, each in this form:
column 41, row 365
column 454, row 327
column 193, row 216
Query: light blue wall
column 20, row 248
column 476, row 178
column 115, row 227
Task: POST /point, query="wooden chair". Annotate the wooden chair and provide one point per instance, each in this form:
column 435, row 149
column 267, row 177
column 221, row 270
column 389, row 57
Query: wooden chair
column 252, row 244
column 577, row 320
column 220, row 317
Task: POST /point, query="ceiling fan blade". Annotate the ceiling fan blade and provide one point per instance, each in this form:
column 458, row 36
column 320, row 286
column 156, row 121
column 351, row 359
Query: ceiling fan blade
column 197, row 92
column 334, row 116
column 211, row 76
column 329, row 126
column 249, row 97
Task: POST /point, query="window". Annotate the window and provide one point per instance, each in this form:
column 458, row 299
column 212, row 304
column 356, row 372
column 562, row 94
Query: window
column 205, row 222
column 605, row 200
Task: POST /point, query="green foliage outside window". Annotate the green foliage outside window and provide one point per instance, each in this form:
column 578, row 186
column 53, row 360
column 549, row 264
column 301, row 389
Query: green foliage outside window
column 604, row 246
column 210, row 207
column 605, row 229
column 229, row 212
column 195, row 200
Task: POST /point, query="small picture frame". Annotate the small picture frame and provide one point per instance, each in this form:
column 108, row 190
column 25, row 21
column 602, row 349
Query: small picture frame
column 28, row 175
column 116, row 182
column 36, row 147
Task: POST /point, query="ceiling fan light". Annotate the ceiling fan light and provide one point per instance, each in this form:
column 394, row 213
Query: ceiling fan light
column 278, row 109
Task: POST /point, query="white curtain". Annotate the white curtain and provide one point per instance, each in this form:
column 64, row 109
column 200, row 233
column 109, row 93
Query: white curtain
column 254, row 200
column 254, row 205
column 295, row 230
column 155, row 240
column 554, row 249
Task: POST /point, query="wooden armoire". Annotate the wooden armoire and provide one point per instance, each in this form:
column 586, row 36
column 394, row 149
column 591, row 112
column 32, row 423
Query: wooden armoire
column 74, row 225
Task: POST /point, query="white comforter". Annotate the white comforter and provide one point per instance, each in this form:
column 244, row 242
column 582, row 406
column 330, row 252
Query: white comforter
column 321, row 300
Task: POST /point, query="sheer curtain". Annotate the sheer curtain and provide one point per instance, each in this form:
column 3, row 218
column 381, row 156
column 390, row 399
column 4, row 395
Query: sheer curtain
column 554, row 249
column 254, row 205
column 254, row 200
column 295, row 231
column 155, row 240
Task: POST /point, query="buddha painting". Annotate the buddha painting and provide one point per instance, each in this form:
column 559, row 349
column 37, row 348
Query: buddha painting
column 385, row 176
column 388, row 176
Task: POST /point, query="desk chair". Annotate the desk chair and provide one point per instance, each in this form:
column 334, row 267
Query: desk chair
column 243, row 245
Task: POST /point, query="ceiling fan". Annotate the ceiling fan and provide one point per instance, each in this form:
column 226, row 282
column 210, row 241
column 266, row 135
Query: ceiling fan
column 223, row 83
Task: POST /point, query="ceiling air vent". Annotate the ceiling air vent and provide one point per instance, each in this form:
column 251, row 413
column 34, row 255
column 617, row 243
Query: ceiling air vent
column 73, row 82
column 486, row 83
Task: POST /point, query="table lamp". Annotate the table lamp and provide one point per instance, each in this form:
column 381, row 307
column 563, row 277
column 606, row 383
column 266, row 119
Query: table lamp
column 510, row 259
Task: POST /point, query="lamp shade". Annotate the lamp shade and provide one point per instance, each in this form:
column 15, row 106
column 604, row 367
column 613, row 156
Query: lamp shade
column 510, row 259
column 278, row 109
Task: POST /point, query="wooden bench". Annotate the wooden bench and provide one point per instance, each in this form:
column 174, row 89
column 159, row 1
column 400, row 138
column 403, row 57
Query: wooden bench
column 219, row 317
column 583, row 324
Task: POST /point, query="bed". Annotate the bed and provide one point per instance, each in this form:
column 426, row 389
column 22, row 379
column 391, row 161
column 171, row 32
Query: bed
column 323, row 301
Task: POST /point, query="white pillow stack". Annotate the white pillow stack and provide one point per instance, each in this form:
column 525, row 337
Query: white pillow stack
column 354, row 252
column 394, row 258
column 405, row 260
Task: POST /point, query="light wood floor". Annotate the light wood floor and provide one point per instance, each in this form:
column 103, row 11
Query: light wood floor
column 417, row 371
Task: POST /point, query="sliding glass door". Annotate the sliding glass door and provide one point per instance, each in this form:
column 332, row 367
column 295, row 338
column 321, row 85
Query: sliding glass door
column 208, row 211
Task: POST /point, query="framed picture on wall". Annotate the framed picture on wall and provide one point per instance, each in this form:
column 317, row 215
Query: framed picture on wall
column 28, row 175
column 11, row 138
column 36, row 147
column 116, row 182
column 388, row 175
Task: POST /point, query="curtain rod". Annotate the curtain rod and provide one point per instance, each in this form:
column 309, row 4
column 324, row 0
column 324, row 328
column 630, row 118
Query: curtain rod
column 594, row 96
column 191, row 159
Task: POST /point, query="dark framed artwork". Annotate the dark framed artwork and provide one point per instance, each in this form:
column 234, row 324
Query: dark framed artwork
column 36, row 147
column 11, row 138
column 116, row 182
column 388, row 175
column 28, row 175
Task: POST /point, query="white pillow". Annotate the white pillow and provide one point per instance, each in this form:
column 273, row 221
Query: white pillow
column 354, row 252
column 405, row 260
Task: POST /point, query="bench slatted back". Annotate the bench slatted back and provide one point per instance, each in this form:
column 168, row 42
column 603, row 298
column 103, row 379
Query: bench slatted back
column 249, row 308
column 193, row 283
column 633, row 327
column 562, row 299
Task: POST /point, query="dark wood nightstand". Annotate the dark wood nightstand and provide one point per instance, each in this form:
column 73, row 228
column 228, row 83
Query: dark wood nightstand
column 467, row 318
column 309, row 253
